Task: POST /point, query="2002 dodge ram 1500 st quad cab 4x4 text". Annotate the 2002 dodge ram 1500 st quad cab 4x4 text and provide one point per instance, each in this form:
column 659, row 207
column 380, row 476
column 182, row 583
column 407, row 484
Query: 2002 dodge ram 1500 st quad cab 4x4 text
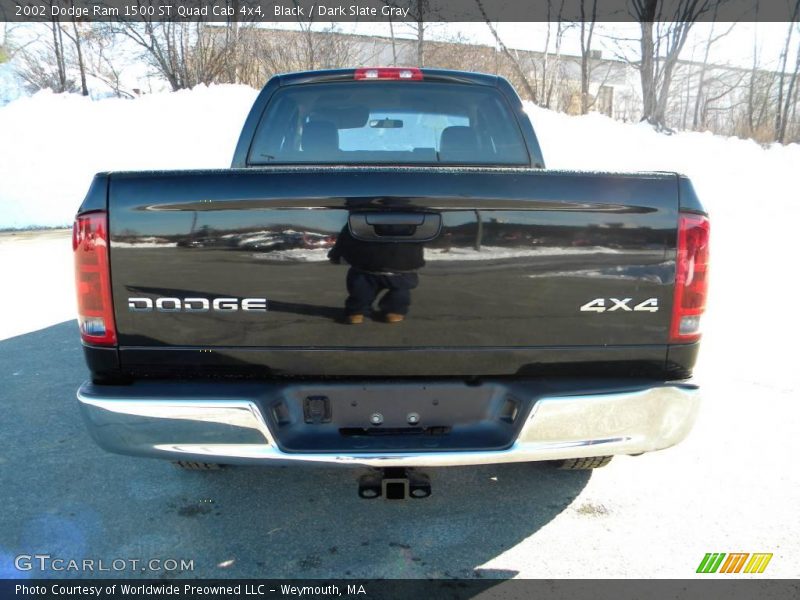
column 389, row 277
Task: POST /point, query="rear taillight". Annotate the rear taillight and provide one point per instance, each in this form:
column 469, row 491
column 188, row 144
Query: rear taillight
column 384, row 73
column 92, row 279
column 691, row 277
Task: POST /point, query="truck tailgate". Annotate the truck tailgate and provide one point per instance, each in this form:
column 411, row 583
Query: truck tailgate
column 519, row 263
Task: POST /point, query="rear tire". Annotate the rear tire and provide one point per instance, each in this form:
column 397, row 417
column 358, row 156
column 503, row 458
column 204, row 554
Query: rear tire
column 582, row 464
column 190, row 465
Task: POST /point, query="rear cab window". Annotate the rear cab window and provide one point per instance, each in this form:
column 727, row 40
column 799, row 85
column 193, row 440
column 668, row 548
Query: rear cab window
column 388, row 122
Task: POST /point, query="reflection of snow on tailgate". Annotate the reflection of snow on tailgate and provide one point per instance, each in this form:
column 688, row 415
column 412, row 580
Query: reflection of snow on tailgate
column 485, row 253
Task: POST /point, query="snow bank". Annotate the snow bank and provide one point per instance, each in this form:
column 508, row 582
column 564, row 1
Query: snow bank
column 52, row 144
column 727, row 172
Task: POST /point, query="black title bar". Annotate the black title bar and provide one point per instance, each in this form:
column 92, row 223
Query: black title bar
column 733, row 588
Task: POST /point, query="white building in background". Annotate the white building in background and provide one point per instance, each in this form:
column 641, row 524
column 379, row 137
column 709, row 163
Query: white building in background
column 723, row 103
column 710, row 96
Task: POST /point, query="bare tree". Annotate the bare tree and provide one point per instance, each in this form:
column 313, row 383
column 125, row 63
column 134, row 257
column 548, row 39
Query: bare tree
column 58, row 50
column 758, row 120
column 418, row 11
column 394, row 45
column 700, row 100
column 663, row 36
column 281, row 51
column 419, row 23
column 795, row 137
column 759, row 93
column 76, row 35
column 587, row 30
column 42, row 61
column 102, row 59
column 512, row 57
column 717, row 88
column 160, row 45
column 551, row 68
column 784, row 102
column 455, row 52
column 184, row 53
column 790, row 104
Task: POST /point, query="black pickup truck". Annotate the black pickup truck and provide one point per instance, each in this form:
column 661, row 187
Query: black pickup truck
column 388, row 276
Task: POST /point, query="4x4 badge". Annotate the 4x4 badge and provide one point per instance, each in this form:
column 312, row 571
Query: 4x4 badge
column 599, row 305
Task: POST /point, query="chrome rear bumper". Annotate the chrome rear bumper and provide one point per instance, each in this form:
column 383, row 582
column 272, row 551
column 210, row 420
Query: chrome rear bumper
column 194, row 425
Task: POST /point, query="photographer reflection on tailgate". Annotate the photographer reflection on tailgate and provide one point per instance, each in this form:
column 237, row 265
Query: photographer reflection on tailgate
column 376, row 267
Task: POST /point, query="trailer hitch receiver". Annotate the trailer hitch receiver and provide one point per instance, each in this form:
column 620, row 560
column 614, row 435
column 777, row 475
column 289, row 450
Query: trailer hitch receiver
column 394, row 483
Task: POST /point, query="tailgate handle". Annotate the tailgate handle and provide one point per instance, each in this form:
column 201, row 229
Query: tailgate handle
column 395, row 226
column 395, row 218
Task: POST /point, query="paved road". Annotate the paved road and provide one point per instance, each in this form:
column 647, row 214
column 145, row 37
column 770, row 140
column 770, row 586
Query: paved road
column 731, row 487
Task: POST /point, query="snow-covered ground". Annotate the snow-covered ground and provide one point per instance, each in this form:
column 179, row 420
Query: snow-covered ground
column 38, row 278
column 52, row 144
